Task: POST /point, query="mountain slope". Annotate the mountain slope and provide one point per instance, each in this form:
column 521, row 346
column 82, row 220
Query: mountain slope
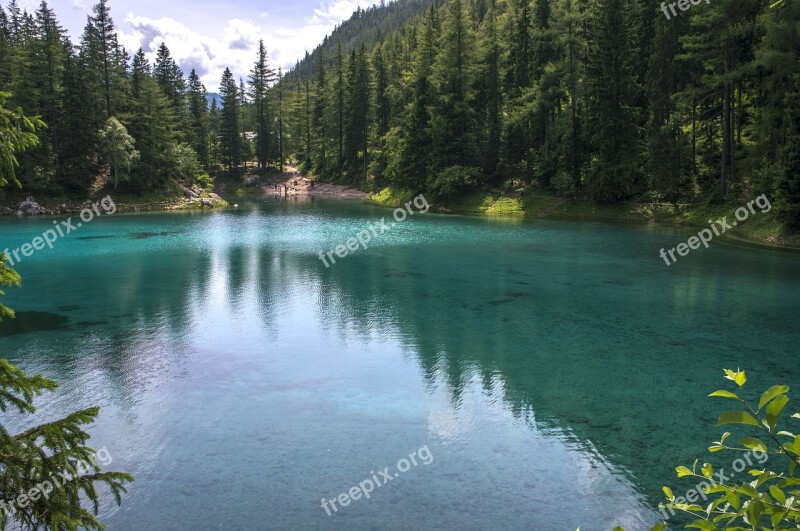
column 365, row 27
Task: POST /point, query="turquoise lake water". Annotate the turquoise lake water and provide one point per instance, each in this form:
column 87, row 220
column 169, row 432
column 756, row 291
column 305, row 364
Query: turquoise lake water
column 556, row 372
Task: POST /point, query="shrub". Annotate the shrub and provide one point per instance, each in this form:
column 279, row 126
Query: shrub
column 770, row 499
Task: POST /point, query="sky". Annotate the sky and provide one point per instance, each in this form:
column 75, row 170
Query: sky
column 209, row 35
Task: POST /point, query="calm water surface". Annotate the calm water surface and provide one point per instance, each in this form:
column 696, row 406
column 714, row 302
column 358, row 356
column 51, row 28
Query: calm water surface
column 556, row 371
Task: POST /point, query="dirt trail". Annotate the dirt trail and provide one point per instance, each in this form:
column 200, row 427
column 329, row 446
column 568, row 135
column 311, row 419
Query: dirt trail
column 297, row 185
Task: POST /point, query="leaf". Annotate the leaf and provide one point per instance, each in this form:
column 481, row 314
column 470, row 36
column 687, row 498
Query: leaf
column 683, row 471
column 754, row 444
column 724, row 394
column 737, row 417
column 747, row 490
column 796, row 416
column 740, row 378
column 787, row 434
column 777, row 494
column 773, row 392
column 778, row 517
column 668, row 493
column 708, row 470
column 715, row 448
column 775, row 409
column 725, row 437
column 734, row 500
column 661, row 526
column 754, row 511
column 702, row 524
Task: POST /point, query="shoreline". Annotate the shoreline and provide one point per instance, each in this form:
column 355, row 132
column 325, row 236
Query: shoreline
column 488, row 204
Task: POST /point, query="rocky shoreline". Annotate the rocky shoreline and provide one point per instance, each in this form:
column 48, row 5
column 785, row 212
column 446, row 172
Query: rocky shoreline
column 193, row 198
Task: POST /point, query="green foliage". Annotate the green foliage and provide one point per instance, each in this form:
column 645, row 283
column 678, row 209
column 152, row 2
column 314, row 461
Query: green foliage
column 45, row 455
column 601, row 100
column 8, row 278
column 117, row 149
column 230, row 136
column 770, row 499
column 453, row 181
column 17, row 133
column 188, row 166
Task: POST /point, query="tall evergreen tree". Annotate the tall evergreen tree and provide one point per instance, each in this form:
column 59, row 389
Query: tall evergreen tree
column 170, row 78
column 612, row 93
column 230, row 139
column 198, row 120
column 453, row 119
column 260, row 79
column 105, row 61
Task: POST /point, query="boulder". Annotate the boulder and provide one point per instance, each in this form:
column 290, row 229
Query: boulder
column 251, row 180
column 29, row 207
column 215, row 197
column 190, row 194
column 206, row 202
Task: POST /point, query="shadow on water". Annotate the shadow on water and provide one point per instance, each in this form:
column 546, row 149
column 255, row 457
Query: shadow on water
column 27, row 322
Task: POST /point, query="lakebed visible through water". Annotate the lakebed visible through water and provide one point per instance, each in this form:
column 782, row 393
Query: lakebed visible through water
column 556, row 372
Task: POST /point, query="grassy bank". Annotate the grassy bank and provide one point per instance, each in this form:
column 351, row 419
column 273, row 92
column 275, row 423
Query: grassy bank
column 759, row 228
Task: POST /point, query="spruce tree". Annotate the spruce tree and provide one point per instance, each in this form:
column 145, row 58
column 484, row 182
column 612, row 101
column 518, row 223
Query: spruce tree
column 198, row 130
column 612, row 95
column 230, row 139
column 170, row 78
column 259, row 81
column 453, row 118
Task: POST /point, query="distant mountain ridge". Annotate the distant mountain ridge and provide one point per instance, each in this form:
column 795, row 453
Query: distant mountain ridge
column 365, row 27
column 211, row 97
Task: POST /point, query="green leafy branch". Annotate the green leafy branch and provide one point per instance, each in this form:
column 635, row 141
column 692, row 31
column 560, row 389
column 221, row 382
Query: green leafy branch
column 770, row 500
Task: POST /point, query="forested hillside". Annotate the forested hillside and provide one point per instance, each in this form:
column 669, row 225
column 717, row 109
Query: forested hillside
column 610, row 100
column 607, row 99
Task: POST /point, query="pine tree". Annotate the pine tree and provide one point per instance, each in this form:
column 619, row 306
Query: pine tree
column 170, row 78
column 77, row 147
column 105, row 61
column 383, row 105
column 453, row 119
column 281, row 157
column 6, row 58
column 260, row 79
column 230, row 140
column 152, row 125
column 357, row 121
column 612, row 92
column 339, row 88
column 319, row 121
column 46, row 71
column 491, row 93
column 414, row 145
column 198, row 120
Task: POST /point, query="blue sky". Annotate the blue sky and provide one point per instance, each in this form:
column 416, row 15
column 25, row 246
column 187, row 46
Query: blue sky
column 209, row 35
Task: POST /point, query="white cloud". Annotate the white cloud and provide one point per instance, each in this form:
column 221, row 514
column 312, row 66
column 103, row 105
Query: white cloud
column 335, row 11
column 236, row 45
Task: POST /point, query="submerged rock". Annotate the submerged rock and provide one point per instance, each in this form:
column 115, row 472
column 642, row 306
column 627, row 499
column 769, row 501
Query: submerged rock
column 30, row 207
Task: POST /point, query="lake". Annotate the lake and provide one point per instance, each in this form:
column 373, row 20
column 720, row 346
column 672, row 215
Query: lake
column 544, row 375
